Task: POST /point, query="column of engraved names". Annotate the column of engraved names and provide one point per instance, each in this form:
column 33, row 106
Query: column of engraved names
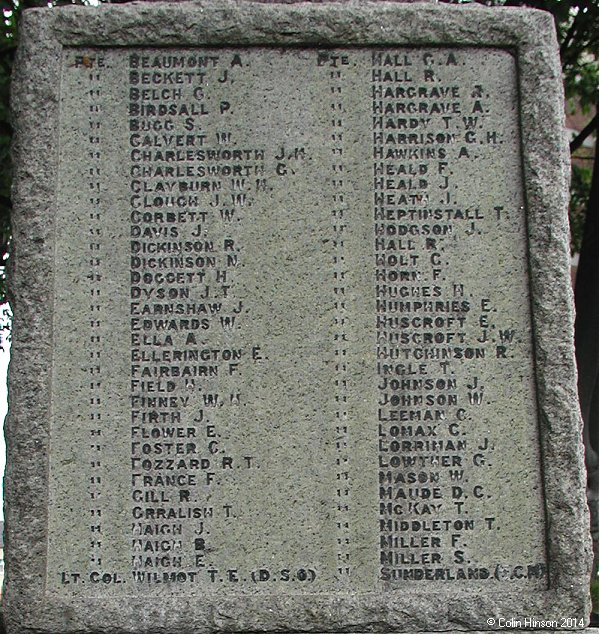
column 335, row 66
column 184, row 315
column 425, row 320
column 93, row 67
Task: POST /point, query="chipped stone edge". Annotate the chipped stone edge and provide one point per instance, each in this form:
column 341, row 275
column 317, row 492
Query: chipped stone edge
column 36, row 92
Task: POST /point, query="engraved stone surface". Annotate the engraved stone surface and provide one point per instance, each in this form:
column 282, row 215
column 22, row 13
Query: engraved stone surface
column 292, row 323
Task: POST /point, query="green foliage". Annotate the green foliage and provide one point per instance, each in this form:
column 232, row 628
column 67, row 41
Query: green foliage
column 580, row 190
column 578, row 32
column 595, row 595
column 7, row 49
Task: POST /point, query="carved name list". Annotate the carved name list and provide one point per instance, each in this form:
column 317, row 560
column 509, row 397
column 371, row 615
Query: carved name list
column 297, row 330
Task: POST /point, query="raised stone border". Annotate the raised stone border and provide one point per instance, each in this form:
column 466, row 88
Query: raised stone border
column 28, row 608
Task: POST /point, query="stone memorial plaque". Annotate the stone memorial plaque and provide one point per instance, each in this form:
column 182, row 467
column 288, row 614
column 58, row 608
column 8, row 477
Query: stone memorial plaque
column 292, row 342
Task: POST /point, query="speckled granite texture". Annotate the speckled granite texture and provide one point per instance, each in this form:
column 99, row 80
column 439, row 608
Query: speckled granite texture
column 33, row 601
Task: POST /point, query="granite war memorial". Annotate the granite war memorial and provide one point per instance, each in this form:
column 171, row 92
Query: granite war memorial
column 292, row 343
